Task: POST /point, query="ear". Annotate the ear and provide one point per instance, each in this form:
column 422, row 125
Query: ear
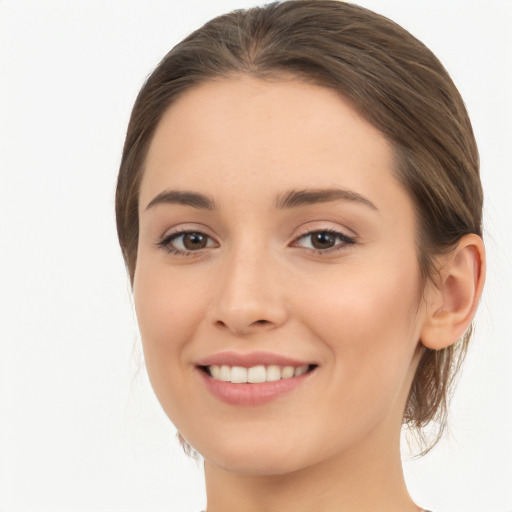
column 452, row 301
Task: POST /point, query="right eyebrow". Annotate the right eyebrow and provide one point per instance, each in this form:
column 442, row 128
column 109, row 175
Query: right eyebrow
column 184, row 198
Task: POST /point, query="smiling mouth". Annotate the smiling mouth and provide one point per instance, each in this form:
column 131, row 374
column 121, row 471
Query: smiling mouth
column 255, row 374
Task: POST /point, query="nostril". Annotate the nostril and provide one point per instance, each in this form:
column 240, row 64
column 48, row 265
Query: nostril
column 245, row 327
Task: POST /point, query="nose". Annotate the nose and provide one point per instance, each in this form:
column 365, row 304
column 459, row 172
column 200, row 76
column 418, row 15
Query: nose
column 249, row 296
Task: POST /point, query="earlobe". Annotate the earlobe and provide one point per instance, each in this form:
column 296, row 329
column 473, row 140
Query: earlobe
column 452, row 303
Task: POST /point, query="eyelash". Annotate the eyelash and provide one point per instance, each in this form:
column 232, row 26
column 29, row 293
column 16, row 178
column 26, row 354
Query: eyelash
column 343, row 240
column 166, row 242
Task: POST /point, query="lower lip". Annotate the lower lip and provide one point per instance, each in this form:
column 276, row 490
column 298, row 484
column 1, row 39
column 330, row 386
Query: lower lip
column 250, row 394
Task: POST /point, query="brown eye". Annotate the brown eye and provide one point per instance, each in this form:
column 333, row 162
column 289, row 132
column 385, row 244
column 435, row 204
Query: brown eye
column 323, row 240
column 187, row 242
column 194, row 241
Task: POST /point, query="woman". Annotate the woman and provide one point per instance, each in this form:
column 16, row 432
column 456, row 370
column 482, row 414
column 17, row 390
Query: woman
column 299, row 209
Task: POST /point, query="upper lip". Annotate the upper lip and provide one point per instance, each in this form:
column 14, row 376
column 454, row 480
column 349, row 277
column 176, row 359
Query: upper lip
column 250, row 359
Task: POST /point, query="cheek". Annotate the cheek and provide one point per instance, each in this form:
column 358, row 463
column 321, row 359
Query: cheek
column 168, row 313
column 368, row 320
column 365, row 298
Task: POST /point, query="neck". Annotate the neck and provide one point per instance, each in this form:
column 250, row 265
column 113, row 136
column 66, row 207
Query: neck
column 365, row 479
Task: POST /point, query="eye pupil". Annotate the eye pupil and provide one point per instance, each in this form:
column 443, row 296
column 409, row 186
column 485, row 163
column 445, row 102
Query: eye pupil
column 194, row 241
column 323, row 240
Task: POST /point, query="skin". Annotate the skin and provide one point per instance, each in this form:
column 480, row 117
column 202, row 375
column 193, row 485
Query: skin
column 332, row 444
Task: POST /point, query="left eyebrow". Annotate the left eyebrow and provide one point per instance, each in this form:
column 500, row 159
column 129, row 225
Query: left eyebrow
column 296, row 198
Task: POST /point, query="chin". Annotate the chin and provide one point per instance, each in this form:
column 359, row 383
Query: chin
column 256, row 464
column 244, row 456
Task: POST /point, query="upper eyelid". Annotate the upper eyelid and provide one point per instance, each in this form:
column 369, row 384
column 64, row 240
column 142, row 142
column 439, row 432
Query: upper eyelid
column 304, row 231
column 308, row 231
column 184, row 229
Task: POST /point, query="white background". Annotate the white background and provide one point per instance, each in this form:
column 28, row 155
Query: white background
column 79, row 430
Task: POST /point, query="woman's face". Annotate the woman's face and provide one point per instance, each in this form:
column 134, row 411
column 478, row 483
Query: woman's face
column 276, row 246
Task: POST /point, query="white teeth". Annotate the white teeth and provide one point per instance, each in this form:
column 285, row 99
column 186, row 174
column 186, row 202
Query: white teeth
column 215, row 371
column 300, row 370
column 225, row 373
column 256, row 374
column 287, row 372
column 238, row 374
column 273, row 373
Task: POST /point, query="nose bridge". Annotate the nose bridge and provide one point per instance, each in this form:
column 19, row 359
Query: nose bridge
column 248, row 295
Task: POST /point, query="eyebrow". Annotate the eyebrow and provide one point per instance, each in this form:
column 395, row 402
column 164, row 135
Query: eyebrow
column 184, row 198
column 296, row 198
column 291, row 199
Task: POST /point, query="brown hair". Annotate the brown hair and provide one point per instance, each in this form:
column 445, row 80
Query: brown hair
column 392, row 80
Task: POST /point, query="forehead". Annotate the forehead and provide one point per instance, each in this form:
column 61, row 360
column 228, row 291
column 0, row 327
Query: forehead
column 254, row 135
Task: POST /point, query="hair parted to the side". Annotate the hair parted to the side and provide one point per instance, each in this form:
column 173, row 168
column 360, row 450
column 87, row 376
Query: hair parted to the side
column 391, row 79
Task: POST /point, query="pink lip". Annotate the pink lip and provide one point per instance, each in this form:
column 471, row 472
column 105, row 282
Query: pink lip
column 250, row 394
column 250, row 359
